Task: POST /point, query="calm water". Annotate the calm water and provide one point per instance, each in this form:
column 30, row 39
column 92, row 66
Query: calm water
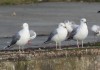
column 87, row 62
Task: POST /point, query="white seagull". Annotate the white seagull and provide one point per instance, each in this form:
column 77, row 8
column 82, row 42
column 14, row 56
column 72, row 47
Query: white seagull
column 70, row 27
column 96, row 30
column 22, row 37
column 32, row 35
column 79, row 33
column 58, row 35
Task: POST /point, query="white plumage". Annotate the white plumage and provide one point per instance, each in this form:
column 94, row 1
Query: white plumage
column 58, row 35
column 80, row 33
column 32, row 34
column 96, row 30
column 70, row 25
column 22, row 37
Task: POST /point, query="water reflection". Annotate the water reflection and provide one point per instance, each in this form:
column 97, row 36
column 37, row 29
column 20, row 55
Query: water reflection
column 86, row 62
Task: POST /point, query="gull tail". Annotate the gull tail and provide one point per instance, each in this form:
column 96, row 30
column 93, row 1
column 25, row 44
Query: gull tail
column 69, row 38
column 7, row 47
column 46, row 42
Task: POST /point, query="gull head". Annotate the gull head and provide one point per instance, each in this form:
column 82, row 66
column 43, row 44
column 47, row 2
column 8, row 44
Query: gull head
column 95, row 28
column 83, row 20
column 68, row 23
column 62, row 25
column 25, row 25
column 69, row 26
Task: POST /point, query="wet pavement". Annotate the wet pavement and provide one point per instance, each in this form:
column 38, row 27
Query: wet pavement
column 43, row 18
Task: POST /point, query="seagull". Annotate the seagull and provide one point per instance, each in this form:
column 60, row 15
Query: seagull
column 58, row 35
column 79, row 33
column 96, row 30
column 32, row 35
column 22, row 37
column 70, row 27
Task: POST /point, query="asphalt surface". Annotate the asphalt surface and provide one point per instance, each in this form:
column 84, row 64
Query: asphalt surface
column 44, row 17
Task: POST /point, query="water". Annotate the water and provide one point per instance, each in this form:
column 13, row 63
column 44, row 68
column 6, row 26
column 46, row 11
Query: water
column 86, row 62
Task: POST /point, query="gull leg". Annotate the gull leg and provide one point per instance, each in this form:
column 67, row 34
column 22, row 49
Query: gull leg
column 23, row 49
column 94, row 39
column 19, row 50
column 77, row 44
column 56, row 45
column 82, row 43
column 59, row 45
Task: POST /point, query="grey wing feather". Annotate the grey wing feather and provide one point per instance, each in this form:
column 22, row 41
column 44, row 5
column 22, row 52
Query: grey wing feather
column 71, row 35
column 51, row 35
column 15, row 38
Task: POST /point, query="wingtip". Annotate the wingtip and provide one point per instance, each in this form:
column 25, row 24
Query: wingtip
column 69, row 38
column 7, row 47
column 98, row 11
column 45, row 42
